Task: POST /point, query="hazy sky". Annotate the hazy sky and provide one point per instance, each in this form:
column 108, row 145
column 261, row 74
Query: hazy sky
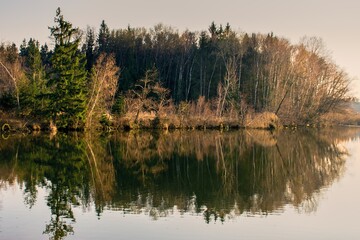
column 336, row 22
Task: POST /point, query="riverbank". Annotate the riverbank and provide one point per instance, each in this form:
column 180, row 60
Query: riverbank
column 266, row 121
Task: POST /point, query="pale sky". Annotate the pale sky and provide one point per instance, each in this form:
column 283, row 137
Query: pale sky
column 336, row 22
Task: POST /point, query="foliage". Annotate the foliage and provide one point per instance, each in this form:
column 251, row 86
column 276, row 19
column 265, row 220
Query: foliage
column 33, row 94
column 67, row 79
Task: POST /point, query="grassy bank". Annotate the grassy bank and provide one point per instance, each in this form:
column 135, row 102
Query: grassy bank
column 151, row 121
column 10, row 122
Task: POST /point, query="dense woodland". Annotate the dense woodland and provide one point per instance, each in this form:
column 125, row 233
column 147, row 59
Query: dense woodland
column 97, row 77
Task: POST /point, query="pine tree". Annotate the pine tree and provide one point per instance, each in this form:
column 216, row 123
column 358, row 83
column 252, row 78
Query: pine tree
column 67, row 77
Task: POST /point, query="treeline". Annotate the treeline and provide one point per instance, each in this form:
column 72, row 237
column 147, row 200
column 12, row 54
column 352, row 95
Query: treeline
column 161, row 70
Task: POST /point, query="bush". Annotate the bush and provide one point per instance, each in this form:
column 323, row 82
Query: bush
column 266, row 120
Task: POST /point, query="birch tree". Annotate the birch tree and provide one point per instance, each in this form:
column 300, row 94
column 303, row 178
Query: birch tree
column 103, row 87
column 11, row 73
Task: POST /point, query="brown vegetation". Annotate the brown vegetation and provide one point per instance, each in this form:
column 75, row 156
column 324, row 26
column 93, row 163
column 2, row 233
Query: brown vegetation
column 345, row 117
column 264, row 120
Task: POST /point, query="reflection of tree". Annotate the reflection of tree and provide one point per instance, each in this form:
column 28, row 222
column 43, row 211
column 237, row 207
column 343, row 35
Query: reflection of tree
column 61, row 210
column 232, row 173
column 65, row 175
column 100, row 161
column 213, row 174
column 318, row 163
column 58, row 165
column 30, row 193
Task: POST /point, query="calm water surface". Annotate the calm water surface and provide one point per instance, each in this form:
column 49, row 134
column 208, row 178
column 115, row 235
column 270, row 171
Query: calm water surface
column 300, row 184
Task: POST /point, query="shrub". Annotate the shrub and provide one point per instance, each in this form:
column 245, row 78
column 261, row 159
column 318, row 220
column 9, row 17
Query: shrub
column 266, row 120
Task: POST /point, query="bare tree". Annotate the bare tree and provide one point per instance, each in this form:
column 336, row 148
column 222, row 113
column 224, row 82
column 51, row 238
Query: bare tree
column 148, row 95
column 228, row 86
column 231, row 52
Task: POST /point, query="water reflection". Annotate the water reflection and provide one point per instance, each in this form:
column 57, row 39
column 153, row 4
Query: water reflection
column 217, row 175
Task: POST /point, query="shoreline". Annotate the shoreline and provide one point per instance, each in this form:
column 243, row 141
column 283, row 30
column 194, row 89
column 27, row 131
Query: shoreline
column 15, row 125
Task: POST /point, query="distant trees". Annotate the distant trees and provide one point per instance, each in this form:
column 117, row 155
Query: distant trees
column 89, row 48
column 103, row 37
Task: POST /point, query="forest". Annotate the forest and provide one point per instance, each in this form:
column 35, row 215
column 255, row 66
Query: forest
column 163, row 78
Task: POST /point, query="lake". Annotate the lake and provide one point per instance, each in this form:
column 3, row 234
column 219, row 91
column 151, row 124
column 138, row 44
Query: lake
column 248, row 184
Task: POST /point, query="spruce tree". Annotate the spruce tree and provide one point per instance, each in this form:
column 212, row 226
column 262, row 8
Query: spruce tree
column 103, row 38
column 33, row 93
column 88, row 48
column 67, row 78
column 45, row 55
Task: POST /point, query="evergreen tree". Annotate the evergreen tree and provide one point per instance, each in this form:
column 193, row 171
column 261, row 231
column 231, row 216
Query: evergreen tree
column 88, row 48
column 67, row 77
column 103, row 39
column 33, row 93
column 23, row 48
column 45, row 55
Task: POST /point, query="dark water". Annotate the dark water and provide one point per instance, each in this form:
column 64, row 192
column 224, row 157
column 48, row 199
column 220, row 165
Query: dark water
column 300, row 184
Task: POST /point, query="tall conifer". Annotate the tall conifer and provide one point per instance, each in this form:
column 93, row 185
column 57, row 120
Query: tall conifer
column 68, row 76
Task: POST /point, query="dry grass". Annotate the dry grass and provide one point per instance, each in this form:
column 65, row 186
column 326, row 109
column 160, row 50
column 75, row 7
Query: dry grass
column 348, row 117
column 266, row 120
column 193, row 120
column 200, row 114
